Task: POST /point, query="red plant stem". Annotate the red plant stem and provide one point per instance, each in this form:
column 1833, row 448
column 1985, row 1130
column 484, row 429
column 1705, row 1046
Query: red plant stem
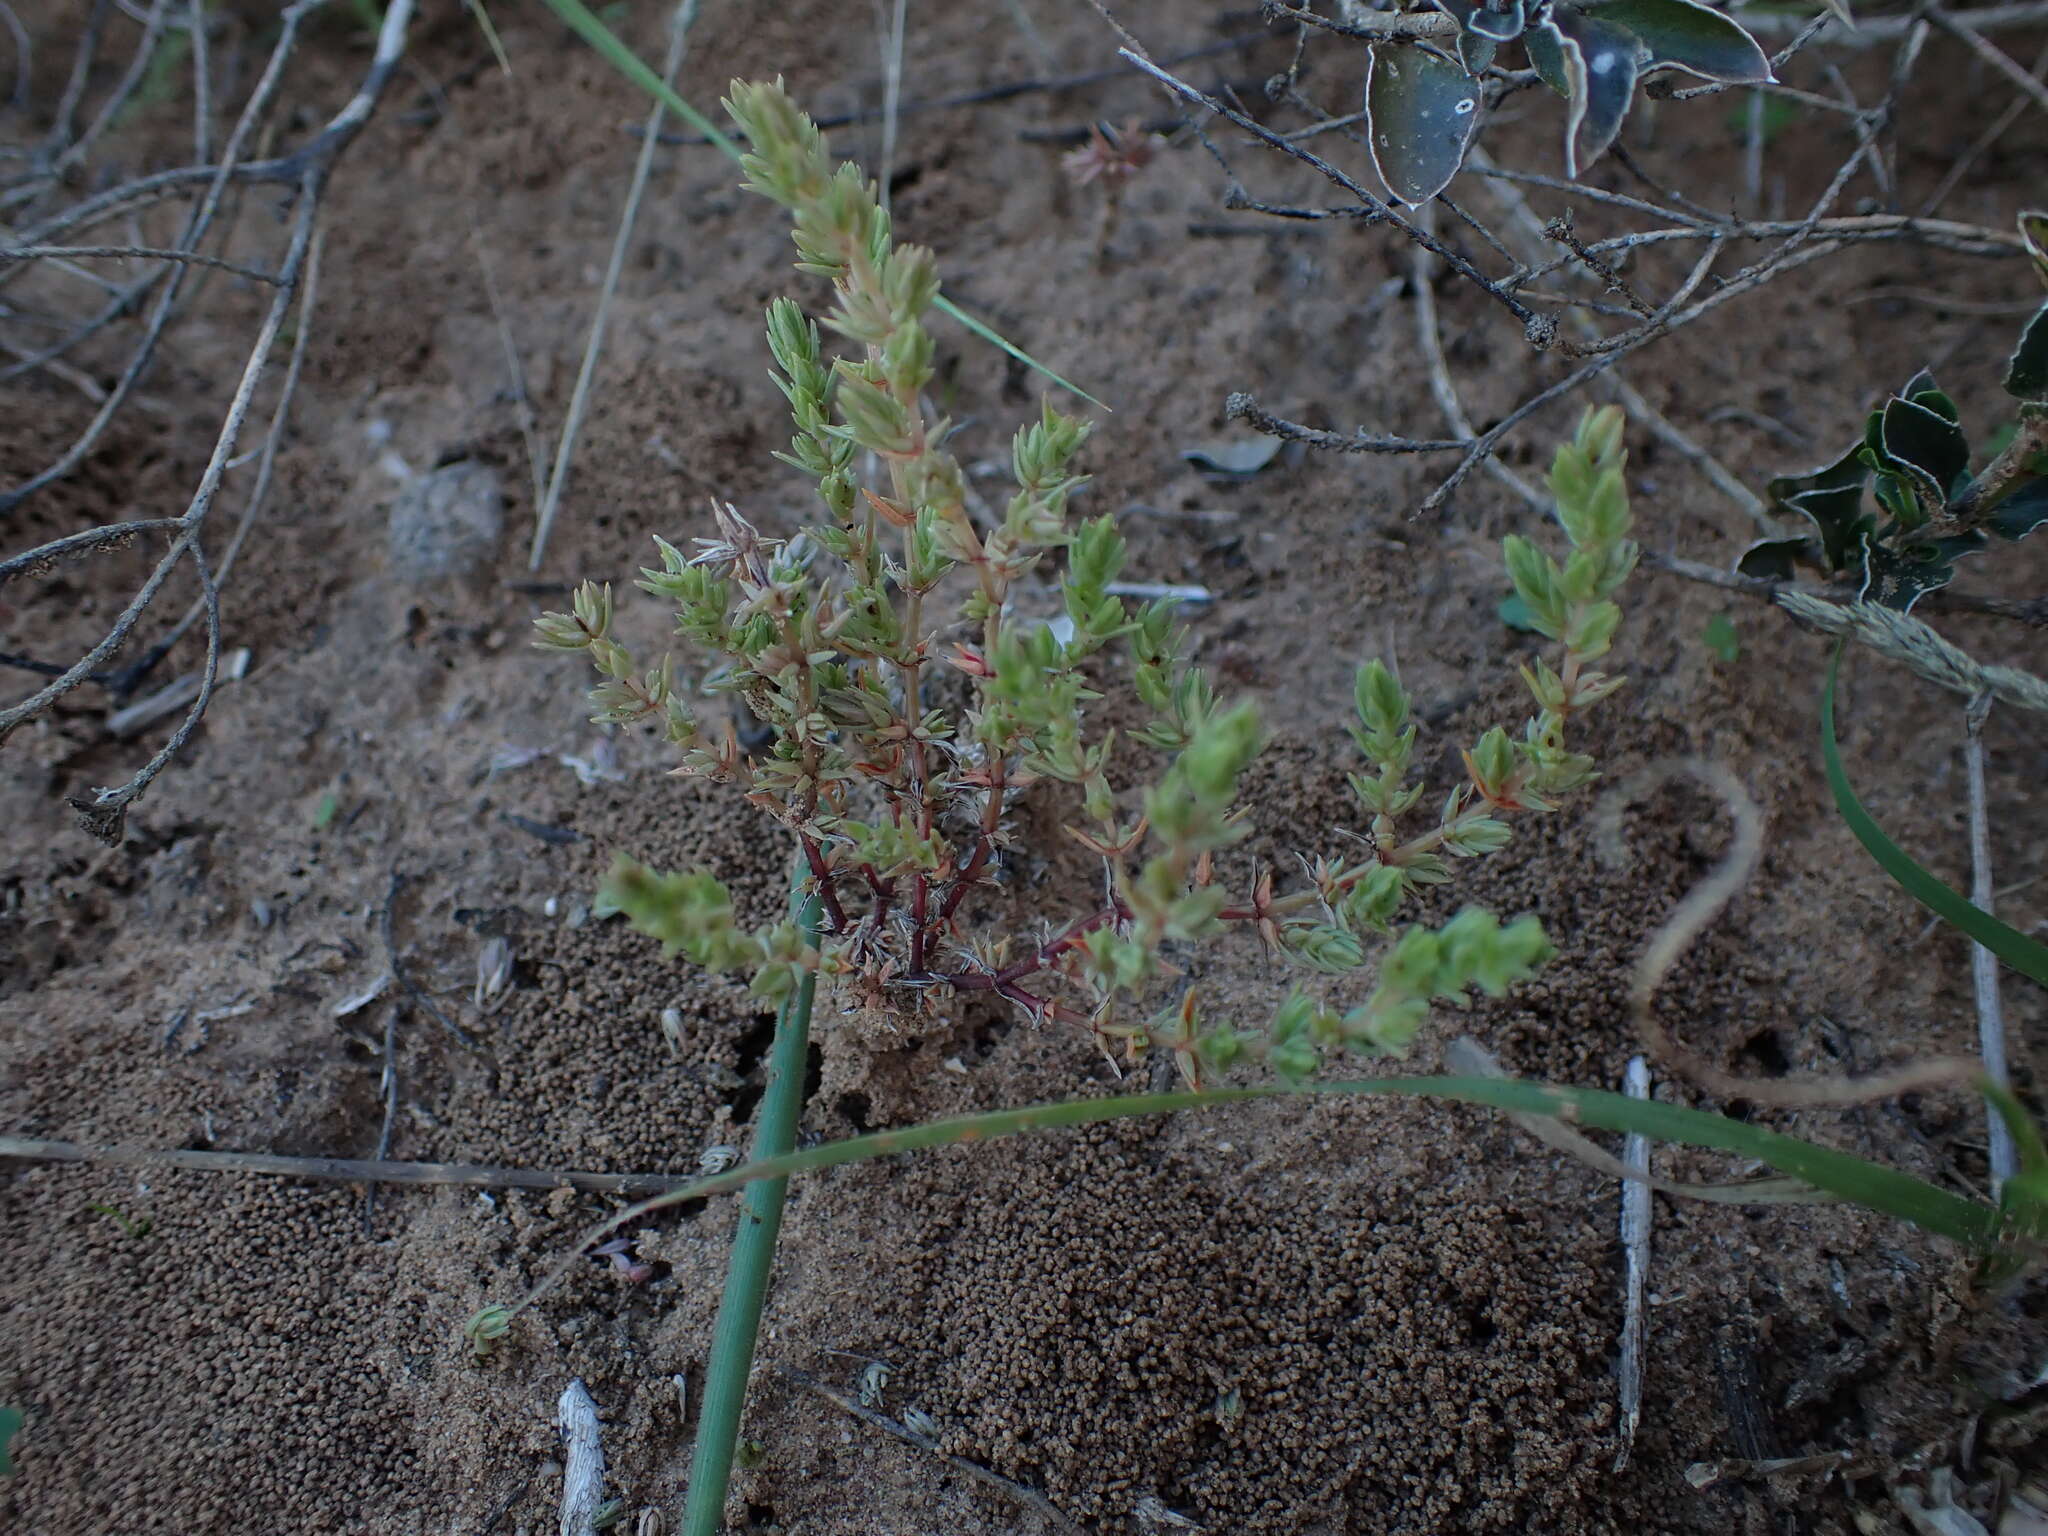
column 885, row 895
column 965, row 878
column 919, row 889
column 1037, row 960
column 834, row 913
column 1044, row 1007
column 984, row 845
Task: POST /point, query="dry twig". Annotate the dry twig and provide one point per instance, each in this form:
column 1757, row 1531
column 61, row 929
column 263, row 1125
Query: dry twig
column 43, row 237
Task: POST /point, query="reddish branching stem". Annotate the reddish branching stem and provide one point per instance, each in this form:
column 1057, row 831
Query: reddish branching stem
column 835, row 915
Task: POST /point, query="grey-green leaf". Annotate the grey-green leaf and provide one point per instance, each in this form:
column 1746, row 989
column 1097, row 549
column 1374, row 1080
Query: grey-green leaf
column 1545, row 45
column 2026, row 375
column 1420, row 111
column 1681, row 35
column 1600, row 64
column 1502, row 24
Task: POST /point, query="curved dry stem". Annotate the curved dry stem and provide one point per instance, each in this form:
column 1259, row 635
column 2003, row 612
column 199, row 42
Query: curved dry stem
column 1704, row 903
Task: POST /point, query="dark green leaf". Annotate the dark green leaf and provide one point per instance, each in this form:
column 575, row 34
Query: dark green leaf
column 1845, row 528
column 1681, row 35
column 1420, row 111
column 2022, row 512
column 1935, row 399
column 1898, row 492
column 2026, row 375
column 1600, row 65
column 1780, row 559
column 1831, row 498
column 1919, row 384
column 1545, row 45
column 2015, row 949
column 1897, row 577
column 1912, row 434
column 1476, row 52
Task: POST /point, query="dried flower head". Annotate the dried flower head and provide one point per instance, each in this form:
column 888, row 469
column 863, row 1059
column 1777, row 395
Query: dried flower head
column 1112, row 154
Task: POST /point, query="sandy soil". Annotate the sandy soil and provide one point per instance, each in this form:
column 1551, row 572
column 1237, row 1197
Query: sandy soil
column 1274, row 1319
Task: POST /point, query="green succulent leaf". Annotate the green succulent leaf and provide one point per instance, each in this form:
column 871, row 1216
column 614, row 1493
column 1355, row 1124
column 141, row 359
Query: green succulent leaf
column 1420, row 111
column 2026, row 373
column 1678, row 34
column 1517, row 614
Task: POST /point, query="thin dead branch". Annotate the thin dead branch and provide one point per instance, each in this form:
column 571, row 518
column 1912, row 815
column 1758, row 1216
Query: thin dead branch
column 347, row 1170
column 48, row 238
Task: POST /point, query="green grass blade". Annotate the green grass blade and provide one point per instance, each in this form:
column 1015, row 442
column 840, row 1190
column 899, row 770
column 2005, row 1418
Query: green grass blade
column 753, row 1248
column 2023, row 954
column 579, row 18
column 1973, row 1223
column 981, row 329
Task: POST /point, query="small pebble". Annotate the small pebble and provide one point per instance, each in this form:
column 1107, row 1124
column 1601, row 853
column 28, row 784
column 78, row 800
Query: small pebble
column 447, row 523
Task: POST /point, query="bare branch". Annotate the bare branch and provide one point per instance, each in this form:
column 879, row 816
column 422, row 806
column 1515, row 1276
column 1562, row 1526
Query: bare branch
column 11, row 253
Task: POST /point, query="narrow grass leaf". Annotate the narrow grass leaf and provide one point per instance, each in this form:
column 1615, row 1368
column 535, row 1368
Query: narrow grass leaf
column 579, row 18
column 2023, row 954
column 1857, row 1180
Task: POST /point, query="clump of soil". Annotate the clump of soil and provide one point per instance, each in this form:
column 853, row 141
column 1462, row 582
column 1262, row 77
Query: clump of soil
column 1285, row 1319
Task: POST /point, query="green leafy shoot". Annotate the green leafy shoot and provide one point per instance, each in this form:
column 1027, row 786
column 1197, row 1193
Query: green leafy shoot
column 909, row 700
column 485, row 1328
